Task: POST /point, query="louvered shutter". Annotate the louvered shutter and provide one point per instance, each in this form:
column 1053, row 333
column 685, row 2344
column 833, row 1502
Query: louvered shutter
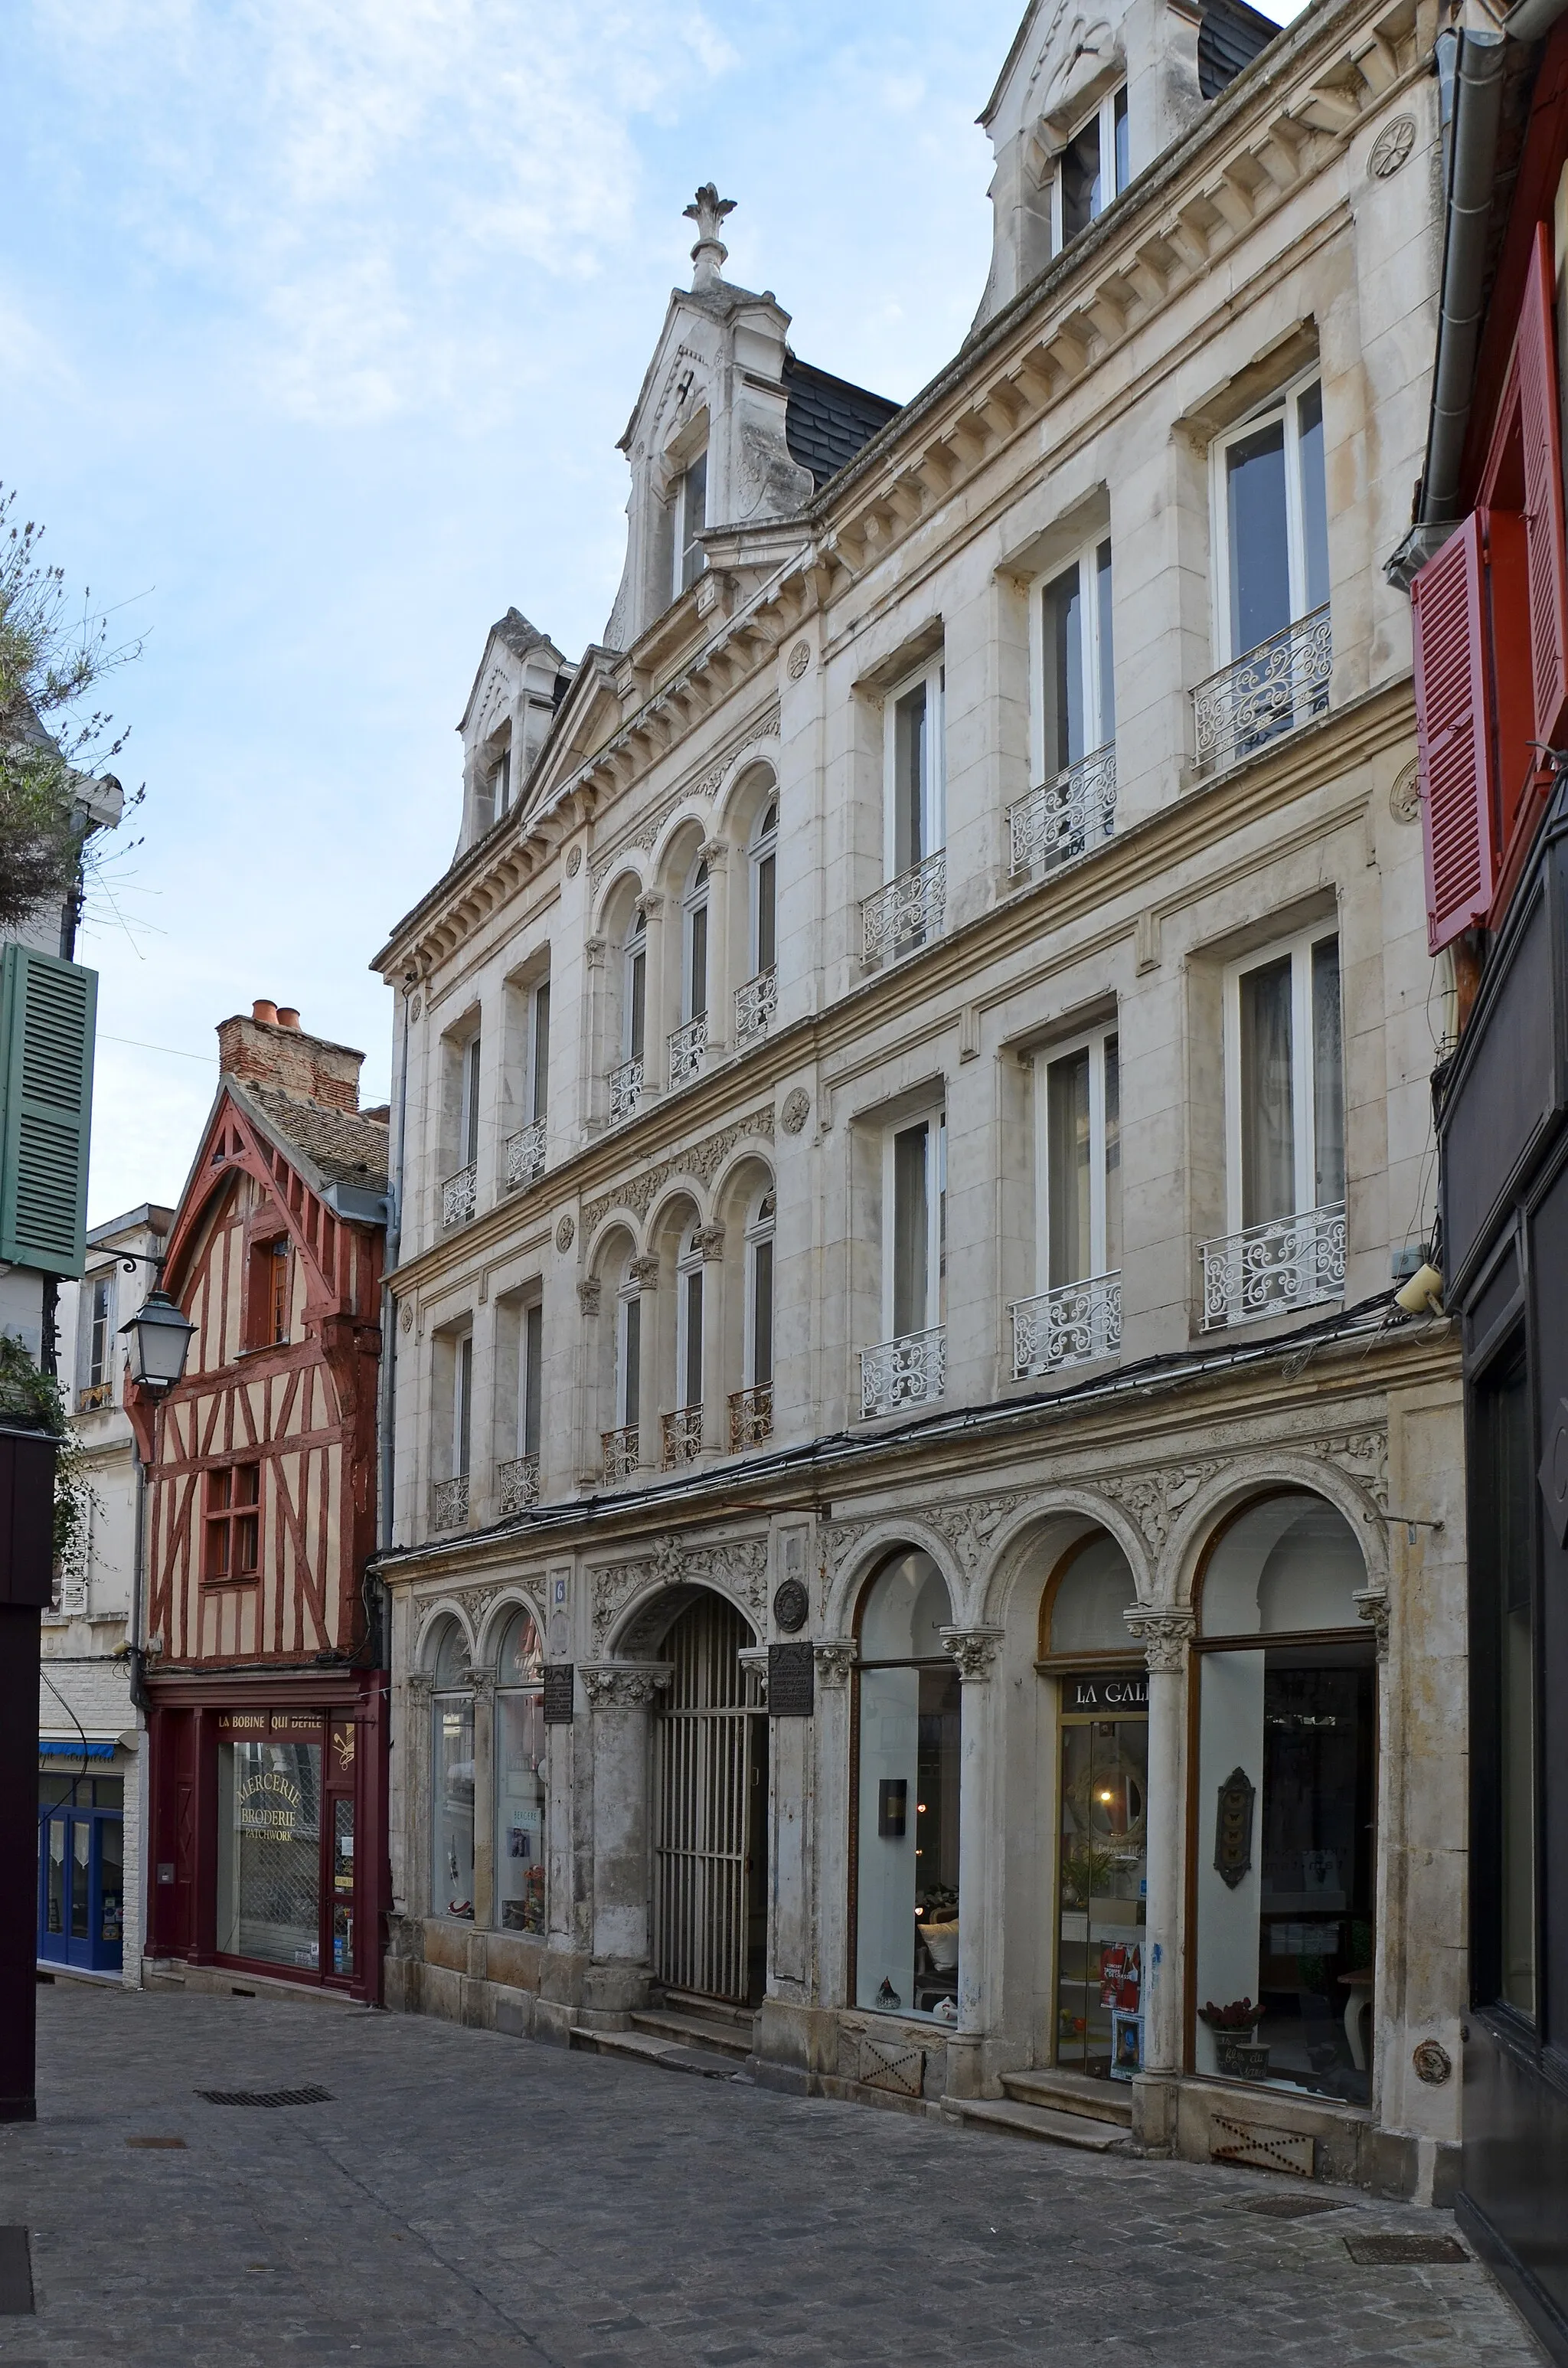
column 46, row 1013
column 1453, row 736
column 1537, row 357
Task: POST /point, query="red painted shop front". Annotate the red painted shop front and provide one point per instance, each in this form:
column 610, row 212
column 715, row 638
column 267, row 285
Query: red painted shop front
column 269, row 1827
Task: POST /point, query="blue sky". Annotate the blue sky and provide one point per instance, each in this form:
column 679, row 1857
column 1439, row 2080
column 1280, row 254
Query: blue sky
column 320, row 321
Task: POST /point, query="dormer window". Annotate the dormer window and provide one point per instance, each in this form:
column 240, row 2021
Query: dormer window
column 1094, row 167
column 690, row 518
column 501, row 784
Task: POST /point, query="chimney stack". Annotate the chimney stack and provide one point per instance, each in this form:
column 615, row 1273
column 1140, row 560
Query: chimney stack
column 270, row 1048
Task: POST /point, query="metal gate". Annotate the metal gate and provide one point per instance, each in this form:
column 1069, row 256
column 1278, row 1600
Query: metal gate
column 704, row 1764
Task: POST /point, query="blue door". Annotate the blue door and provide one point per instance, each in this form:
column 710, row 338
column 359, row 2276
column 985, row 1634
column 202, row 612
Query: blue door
column 80, row 1888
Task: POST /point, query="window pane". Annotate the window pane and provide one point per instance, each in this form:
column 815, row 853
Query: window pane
column 692, row 1377
column 911, row 761
column 632, row 1363
column 269, row 1853
column 533, row 1376
column 519, row 1811
column 636, row 998
column 1123, row 145
column 463, row 1406
column 762, row 1313
column 907, row 1886
column 1063, row 620
column 1067, row 1172
column 911, row 1231
column 1106, row 730
column 452, row 1874
column 470, row 1104
column 541, row 1051
column 1314, row 496
column 697, row 976
column 1328, row 1074
column 1260, row 564
column 1104, row 1807
column 694, row 517
column 1082, row 195
column 765, row 915
column 1112, row 1155
column 1268, row 1120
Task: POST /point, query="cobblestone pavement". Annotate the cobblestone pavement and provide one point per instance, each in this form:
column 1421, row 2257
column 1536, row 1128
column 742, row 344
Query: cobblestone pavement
column 465, row 2198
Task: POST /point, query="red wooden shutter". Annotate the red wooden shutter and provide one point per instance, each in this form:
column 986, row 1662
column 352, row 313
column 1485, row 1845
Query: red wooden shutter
column 1453, row 736
column 1536, row 356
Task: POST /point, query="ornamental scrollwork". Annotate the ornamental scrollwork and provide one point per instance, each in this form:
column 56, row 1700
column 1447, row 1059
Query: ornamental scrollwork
column 740, row 1569
column 1155, row 1498
column 970, row 1525
column 1364, row 1454
column 702, row 1160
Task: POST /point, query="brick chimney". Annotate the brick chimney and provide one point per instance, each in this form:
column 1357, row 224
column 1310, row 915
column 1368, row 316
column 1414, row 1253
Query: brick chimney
column 270, row 1048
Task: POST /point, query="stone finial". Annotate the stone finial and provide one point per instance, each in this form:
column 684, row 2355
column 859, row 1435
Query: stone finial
column 710, row 255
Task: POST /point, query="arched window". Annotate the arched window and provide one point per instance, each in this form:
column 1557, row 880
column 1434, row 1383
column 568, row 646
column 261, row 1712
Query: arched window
column 634, row 986
column 451, row 1777
column 759, row 1292
column 907, row 1698
column 520, row 1779
column 764, row 889
column 622, row 1443
column 1285, row 1870
column 694, row 944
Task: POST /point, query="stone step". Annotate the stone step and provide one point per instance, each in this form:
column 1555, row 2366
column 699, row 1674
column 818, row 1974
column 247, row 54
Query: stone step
column 685, row 2030
column 712, row 2009
column 646, row 2048
column 1035, row 2121
column 1059, row 2091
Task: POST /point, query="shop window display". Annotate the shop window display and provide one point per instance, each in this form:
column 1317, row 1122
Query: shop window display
column 907, row 1860
column 452, row 1778
column 1284, row 1804
column 519, row 1778
column 270, row 1791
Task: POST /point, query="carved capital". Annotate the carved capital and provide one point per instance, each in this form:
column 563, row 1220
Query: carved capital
column 588, row 1295
column 1372, row 1606
column 644, row 1273
column 594, row 948
column 623, row 1685
column 709, row 1240
column 483, row 1682
column 974, row 1650
column 835, row 1659
column 1165, row 1635
column 650, row 903
column 420, row 1685
column 755, row 1659
column 715, row 855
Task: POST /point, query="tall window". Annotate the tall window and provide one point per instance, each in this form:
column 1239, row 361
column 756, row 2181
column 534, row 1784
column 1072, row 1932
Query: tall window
column 694, row 938
column 690, row 518
column 688, row 1323
column 520, row 1779
column 463, row 1405
column 530, row 1379
column 468, row 1104
column 1078, row 1115
column 266, row 1293
column 915, row 822
column 538, row 1051
column 501, row 783
column 1284, row 1083
column 232, row 1526
column 908, row 1715
column 635, row 988
column 451, row 1773
column 764, row 889
column 628, row 1356
column 97, row 1360
column 1504, row 1627
column 758, row 1343
column 1271, row 502
column 1095, row 167
column 1075, row 713
column 914, row 1250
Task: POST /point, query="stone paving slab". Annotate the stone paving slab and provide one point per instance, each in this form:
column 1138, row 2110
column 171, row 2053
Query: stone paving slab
column 477, row 2200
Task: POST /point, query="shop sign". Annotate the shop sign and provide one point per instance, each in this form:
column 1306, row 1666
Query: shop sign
column 1113, row 1694
column 268, row 1802
column 270, row 1722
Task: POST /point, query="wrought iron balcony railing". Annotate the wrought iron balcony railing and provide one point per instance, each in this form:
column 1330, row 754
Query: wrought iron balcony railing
column 449, row 1504
column 755, row 1004
column 524, row 1156
column 1064, row 818
column 625, row 1089
column 622, row 1451
column 1067, row 1326
column 459, row 1196
column 518, row 1484
column 908, row 1371
column 1274, row 689
column 908, row 911
column 751, row 1415
column 682, row 1437
column 1266, row 1269
column 687, row 1044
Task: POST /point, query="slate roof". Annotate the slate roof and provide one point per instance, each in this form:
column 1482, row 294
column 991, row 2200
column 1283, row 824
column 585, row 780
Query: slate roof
column 826, row 420
column 342, row 1146
column 1228, row 38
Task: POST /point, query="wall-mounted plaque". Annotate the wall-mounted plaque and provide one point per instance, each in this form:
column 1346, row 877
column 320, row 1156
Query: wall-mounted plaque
column 791, row 1605
column 791, row 1681
column 560, row 1686
column 1232, row 1827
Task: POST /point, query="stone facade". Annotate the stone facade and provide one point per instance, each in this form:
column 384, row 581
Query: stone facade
column 943, row 926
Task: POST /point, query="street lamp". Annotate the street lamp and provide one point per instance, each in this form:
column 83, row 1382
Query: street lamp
column 159, row 1334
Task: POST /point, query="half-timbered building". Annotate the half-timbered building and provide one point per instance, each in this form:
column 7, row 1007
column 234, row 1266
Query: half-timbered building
column 268, row 1734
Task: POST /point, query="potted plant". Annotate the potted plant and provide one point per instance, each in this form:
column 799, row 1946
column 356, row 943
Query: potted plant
column 1235, row 2053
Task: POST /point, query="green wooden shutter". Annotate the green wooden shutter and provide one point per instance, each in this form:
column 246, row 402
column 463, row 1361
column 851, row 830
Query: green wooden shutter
column 46, row 1013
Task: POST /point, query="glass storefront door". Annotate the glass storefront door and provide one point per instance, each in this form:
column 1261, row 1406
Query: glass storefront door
column 1101, row 1892
column 269, row 1890
column 80, row 1892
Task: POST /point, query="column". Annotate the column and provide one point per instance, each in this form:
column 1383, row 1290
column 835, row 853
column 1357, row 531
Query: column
column 1165, row 1635
column 620, row 1696
column 483, row 1682
column 720, row 977
column 833, row 1747
column 974, row 1650
column 658, row 1002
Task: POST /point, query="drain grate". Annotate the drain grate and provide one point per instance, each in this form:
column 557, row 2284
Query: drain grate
column 1292, row 2207
column 266, row 2096
column 168, row 2143
column 1389, row 2251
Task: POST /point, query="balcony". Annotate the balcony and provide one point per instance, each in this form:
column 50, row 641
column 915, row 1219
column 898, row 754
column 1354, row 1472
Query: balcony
column 1270, row 1269
column 459, row 1196
column 517, row 1483
column 906, row 913
column 449, row 1504
column 905, row 1373
column 1270, row 690
column 95, row 1398
column 755, row 1004
column 622, row 1452
column 687, row 1045
column 625, row 1089
column 751, row 1417
column 1064, row 818
column 525, row 1156
column 1069, row 1326
column 682, row 1433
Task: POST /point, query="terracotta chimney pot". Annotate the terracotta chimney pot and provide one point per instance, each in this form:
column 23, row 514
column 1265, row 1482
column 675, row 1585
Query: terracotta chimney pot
column 264, row 1011
column 288, row 1017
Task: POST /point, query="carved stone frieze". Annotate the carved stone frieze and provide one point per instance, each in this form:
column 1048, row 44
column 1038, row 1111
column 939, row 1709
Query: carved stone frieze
column 1364, row 1454
column 740, row 1569
column 1155, row 1498
column 622, row 1685
column 1165, row 1633
column 970, row 1525
column 702, row 1160
column 645, row 837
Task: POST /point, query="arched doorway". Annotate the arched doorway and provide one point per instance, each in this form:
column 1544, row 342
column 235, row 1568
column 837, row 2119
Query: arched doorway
column 709, row 1931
